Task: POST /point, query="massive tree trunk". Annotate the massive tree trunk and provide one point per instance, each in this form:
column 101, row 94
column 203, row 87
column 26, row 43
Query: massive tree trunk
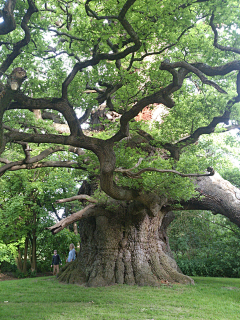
column 127, row 246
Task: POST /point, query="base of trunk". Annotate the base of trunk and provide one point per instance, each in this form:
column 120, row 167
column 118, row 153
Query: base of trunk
column 127, row 247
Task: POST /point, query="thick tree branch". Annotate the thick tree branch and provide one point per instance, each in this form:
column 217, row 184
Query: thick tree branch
column 176, row 147
column 182, row 64
column 218, row 70
column 19, row 45
column 162, row 96
column 14, row 166
column 84, row 213
column 24, row 102
column 78, row 197
column 25, row 163
column 216, row 195
column 85, row 116
column 8, row 23
column 93, row 14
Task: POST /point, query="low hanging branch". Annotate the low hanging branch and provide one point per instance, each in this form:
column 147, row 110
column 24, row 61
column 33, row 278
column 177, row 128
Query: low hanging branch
column 128, row 173
column 78, row 197
column 86, row 212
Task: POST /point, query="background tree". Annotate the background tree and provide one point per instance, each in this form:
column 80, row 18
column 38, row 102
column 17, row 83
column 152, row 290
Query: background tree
column 100, row 63
column 27, row 208
column 203, row 244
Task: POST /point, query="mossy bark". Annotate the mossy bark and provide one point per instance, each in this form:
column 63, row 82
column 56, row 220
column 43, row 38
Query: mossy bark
column 126, row 247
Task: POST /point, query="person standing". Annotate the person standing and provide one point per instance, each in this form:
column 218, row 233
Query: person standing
column 55, row 262
column 72, row 253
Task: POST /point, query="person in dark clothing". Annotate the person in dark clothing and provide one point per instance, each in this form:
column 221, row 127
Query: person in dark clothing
column 55, row 262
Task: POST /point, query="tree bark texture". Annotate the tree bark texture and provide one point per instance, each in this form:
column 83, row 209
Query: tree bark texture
column 127, row 247
column 218, row 196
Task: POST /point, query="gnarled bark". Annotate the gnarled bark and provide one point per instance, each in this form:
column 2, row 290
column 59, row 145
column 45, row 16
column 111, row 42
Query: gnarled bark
column 217, row 195
column 127, row 247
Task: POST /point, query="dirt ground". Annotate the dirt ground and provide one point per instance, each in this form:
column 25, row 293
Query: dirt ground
column 4, row 277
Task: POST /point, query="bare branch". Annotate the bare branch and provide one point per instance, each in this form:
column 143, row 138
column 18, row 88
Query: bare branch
column 232, row 127
column 78, row 197
column 128, row 170
column 17, row 165
column 84, row 213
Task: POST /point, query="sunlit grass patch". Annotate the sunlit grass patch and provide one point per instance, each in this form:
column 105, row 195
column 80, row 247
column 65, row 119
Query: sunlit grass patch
column 46, row 298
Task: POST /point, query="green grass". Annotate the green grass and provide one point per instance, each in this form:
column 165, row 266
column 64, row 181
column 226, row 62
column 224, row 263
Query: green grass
column 46, row 298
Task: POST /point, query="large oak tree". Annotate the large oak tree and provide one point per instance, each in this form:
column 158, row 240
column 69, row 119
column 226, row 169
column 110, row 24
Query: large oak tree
column 74, row 76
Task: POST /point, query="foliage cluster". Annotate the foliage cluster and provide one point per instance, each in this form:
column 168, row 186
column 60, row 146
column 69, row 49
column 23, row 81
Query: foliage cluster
column 27, row 208
column 205, row 245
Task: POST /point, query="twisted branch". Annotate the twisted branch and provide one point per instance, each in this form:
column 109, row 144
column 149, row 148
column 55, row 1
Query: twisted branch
column 128, row 173
column 22, row 43
column 215, row 42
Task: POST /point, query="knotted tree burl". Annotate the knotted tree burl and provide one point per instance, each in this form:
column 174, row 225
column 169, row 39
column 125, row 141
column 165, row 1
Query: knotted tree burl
column 92, row 68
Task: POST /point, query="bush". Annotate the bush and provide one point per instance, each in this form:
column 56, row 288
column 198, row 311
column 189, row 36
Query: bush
column 8, row 267
column 205, row 245
column 210, row 267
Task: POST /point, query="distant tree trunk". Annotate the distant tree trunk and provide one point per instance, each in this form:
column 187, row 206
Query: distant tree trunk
column 34, row 252
column 24, row 269
column 128, row 247
column 19, row 259
column 33, row 239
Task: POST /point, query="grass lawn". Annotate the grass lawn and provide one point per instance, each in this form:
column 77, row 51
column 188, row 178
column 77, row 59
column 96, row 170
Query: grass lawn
column 46, row 298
